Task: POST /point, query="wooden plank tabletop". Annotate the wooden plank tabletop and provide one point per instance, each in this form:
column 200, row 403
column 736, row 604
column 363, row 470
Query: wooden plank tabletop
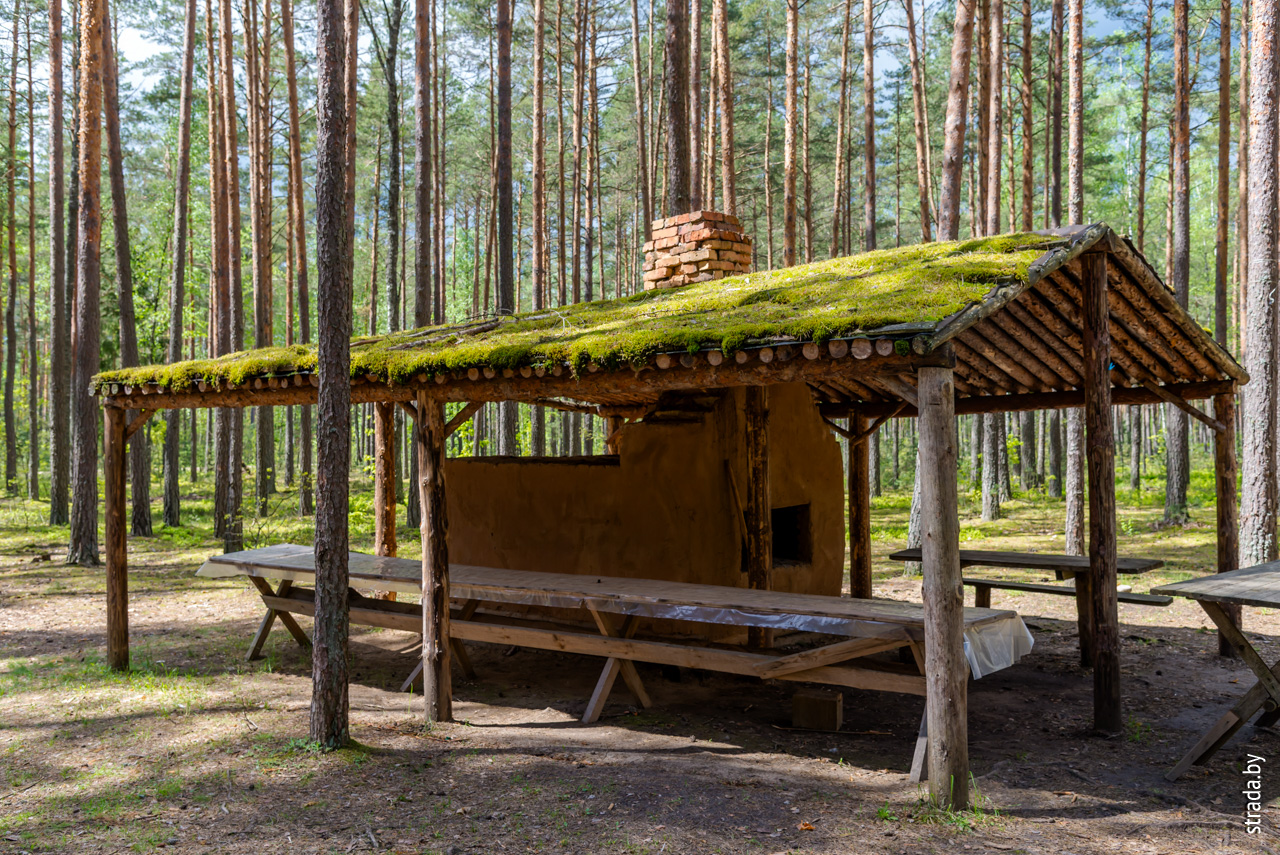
column 1035, row 561
column 1249, row 586
column 644, row 597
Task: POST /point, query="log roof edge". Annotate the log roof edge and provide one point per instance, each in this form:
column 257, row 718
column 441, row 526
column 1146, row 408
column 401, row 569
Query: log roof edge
column 849, row 327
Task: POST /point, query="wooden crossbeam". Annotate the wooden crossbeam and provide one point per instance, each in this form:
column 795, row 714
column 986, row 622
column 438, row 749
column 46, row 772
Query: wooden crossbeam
column 1195, row 412
column 138, row 421
column 463, row 416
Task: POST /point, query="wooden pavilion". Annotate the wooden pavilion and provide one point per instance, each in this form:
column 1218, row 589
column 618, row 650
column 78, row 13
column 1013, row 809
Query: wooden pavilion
column 1063, row 319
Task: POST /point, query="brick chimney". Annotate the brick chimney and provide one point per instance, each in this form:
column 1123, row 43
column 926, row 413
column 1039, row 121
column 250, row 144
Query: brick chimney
column 695, row 247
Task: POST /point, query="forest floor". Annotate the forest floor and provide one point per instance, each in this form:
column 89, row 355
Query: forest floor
column 197, row 750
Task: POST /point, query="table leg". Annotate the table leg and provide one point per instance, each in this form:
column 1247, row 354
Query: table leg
column 1231, row 721
column 1236, row 638
column 920, row 760
column 268, row 620
column 612, row 668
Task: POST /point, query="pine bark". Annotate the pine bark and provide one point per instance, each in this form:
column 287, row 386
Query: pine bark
column 329, row 700
column 59, row 296
column 837, row 202
column 507, row 410
column 790, row 118
column 724, row 83
column 33, row 337
column 676, row 100
column 1222, row 246
column 1028, row 122
column 1177, row 444
column 139, row 446
column 869, row 123
column 642, row 155
column 995, row 71
column 1258, row 459
column 86, row 340
column 306, row 504
column 924, row 179
column 11, row 304
column 1144, row 125
column 957, row 110
column 182, row 194
column 1074, row 476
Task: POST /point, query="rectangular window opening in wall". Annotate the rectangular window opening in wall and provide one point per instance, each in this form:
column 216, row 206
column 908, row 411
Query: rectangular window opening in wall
column 792, row 536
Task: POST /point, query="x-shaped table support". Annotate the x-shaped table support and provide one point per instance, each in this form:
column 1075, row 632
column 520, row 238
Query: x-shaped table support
column 269, row 619
column 613, row 667
column 1264, row 694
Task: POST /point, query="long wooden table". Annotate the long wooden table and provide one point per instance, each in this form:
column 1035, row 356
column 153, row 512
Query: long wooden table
column 1250, row 586
column 994, row 639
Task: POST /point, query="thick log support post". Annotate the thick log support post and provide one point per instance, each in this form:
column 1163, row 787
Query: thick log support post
column 429, row 435
column 757, row 512
column 384, row 478
column 1101, row 455
column 116, row 545
column 946, row 669
column 1225, row 484
column 859, row 510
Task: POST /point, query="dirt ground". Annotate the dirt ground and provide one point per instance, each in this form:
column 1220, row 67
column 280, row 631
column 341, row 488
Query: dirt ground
column 199, row 751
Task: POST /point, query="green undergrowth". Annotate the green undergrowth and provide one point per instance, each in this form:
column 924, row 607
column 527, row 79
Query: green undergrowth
column 920, row 284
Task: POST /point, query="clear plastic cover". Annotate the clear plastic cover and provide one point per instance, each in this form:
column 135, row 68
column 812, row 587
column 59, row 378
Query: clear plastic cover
column 996, row 645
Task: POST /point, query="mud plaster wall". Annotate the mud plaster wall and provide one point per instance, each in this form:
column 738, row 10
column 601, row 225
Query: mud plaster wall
column 663, row 509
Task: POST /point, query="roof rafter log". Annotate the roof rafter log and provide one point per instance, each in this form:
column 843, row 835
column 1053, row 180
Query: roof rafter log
column 1016, row 353
column 1020, row 316
column 1065, row 377
column 1163, row 363
column 1131, row 317
column 990, row 370
column 901, row 387
column 1168, row 316
column 1134, row 359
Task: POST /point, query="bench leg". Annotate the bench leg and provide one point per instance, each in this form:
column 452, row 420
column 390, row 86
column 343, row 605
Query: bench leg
column 982, row 596
column 920, row 760
column 456, row 646
column 413, row 675
column 269, row 619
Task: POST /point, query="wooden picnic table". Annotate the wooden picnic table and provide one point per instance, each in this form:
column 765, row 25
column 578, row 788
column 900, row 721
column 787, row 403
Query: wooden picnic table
column 1060, row 565
column 1249, row 586
column 994, row 639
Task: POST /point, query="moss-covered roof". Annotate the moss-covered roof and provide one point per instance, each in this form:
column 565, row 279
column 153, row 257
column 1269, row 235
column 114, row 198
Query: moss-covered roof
column 917, row 285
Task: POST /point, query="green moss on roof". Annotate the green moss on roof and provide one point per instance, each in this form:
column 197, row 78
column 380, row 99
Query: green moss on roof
column 919, row 284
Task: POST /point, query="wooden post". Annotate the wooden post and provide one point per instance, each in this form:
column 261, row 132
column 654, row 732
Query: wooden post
column 384, row 478
column 859, row 511
column 429, row 434
column 116, row 545
column 1101, row 455
column 1225, row 472
column 756, row 511
column 946, row 669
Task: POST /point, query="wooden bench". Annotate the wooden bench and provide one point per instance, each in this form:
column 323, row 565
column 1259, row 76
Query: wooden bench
column 1061, row 565
column 982, row 592
column 615, row 606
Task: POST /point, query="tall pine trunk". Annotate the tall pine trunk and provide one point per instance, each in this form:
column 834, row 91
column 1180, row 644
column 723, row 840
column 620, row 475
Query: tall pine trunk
column 957, row 111
column 139, row 447
column 86, row 341
column 172, row 511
